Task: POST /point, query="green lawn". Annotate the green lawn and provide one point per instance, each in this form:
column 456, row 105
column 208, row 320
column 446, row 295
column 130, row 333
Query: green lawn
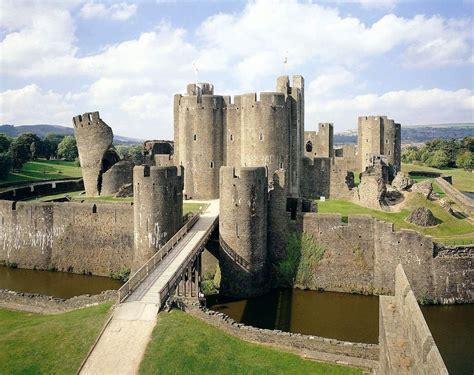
column 450, row 230
column 44, row 170
column 462, row 180
column 182, row 344
column 48, row 344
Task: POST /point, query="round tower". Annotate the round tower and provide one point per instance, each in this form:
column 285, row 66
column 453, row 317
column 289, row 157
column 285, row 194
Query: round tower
column 199, row 137
column 243, row 231
column 157, row 207
column 265, row 132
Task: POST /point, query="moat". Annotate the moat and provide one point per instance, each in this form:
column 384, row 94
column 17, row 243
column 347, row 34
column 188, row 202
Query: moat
column 57, row 284
column 351, row 317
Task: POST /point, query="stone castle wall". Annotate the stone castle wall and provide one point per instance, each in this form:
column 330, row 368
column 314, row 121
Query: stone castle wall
column 365, row 253
column 243, row 231
column 73, row 237
column 249, row 131
column 158, row 208
column 319, row 143
column 94, row 139
column 406, row 343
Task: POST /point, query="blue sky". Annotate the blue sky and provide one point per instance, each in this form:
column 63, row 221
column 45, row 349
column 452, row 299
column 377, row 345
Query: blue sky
column 410, row 60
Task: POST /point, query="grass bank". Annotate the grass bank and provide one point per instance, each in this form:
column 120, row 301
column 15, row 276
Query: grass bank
column 462, row 180
column 44, row 170
column 451, row 230
column 48, row 344
column 182, row 344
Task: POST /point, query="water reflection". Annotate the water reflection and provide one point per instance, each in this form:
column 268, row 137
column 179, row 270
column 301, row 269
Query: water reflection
column 57, row 284
column 353, row 318
column 335, row 315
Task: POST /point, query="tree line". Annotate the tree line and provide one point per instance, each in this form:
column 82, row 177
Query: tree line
column 16, row 151
column 442, row 153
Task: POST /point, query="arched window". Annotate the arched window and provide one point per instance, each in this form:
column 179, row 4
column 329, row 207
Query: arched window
column 309, row 146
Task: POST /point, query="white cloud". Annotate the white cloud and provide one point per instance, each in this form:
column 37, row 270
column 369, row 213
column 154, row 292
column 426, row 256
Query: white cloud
column 32, row 105
column 118, row 12
column 38, row 35
column 330, row 81
column 131, row 83
column 417, row 106
column 382, row 4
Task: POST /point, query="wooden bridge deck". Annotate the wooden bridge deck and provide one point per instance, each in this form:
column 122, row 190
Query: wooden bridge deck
column 123, row 342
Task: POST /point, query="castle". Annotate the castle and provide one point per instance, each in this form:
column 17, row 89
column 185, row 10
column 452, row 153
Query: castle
column 253, row 154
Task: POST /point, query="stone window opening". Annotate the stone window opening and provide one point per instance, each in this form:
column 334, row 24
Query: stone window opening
column 237, row 230
column 94, row 209
column 231, row 137
column 195, row 137
column 261, row 136
column 367, row 140
column 212, row 164
column 309, row 146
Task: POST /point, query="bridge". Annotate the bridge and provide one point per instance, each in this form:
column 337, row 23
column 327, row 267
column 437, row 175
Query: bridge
column 173, row 268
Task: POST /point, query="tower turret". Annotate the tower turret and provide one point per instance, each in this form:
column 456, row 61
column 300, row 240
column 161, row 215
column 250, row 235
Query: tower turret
column 243, row 231
column 158, row 208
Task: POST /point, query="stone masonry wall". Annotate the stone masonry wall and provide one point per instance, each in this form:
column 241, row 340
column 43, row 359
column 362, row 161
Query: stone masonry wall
column 74, row 237
column 362, row 254
column 406, row 343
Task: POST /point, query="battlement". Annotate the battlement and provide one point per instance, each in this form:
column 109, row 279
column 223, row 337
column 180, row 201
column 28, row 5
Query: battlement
column 158, row 173
column 201, row 102
column 196, row 89
column 88, row 118
column 274, row 99
column 244, row 173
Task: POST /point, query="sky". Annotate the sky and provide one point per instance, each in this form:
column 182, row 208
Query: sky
column 410, row 60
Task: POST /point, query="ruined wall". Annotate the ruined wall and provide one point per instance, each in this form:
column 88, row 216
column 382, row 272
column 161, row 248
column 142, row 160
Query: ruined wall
column 118, row 175
column 406, row 343
column 316, row 175
column 378, row 135
column 94, row 138
column 73, row 237
column 243, row 231
column 366, row 252
column 158, row 208
column 320, row 143
column 341, row 179
column 152, row 148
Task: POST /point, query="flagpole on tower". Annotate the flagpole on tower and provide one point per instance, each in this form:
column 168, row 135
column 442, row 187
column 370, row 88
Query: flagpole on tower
column 196, row 70
column 285, row 62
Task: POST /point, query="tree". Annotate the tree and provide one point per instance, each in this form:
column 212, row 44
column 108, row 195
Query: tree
column 410, row 154
column 5, row 164
column 26, row 140
column 440, row 159
column 465, row 160
column 5, row 142
column 134, row 153
column 67, row 148
column 50, row 145
column 19, row 154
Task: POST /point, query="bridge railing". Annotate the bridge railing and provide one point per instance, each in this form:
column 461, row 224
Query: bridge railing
column 136, row 279
column 170, row 286
column 234, row 256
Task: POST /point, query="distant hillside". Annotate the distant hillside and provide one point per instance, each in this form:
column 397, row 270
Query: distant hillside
column 41, row 130
column 418, row 133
